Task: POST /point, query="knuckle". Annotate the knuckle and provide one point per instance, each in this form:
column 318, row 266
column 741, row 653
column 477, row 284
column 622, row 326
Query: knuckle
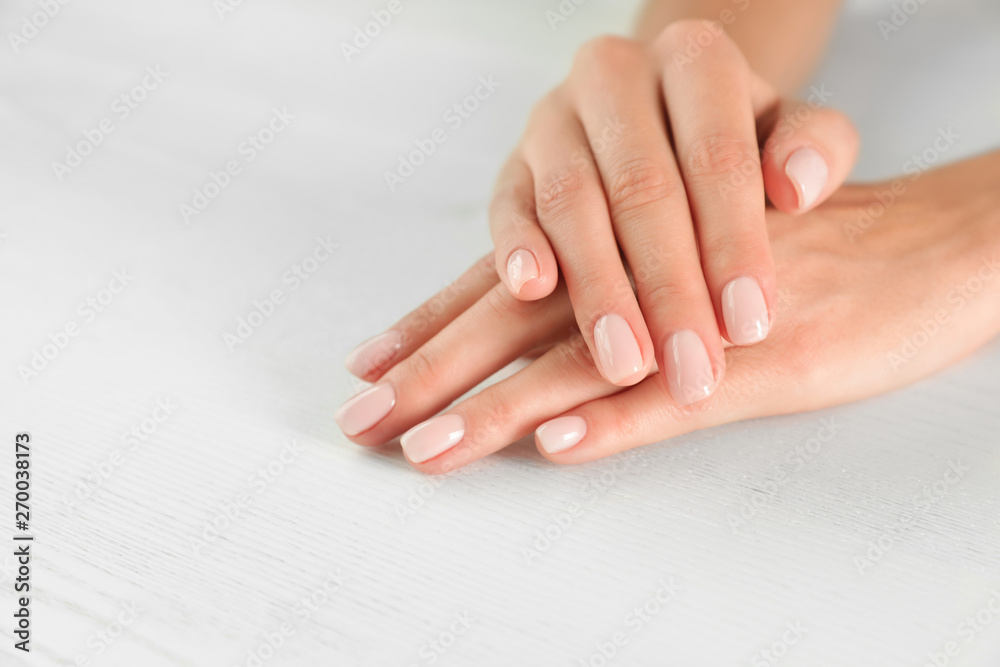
column 638, row 183
column 721, row 155
column 558, row 190
column 419, row 369
column 608, row 54
column 679, row 34
column 678, row 295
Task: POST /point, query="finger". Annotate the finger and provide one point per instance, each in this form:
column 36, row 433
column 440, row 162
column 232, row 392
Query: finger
column 710, row 104
column 488, row 336
column 640, row 415
column 507, row 411
column 573, row 212
column 370, row 360
column 649, row 208
column 524, row 259
column 808, row 155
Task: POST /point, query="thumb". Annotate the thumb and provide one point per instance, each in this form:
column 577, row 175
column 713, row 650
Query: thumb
column 807, row 156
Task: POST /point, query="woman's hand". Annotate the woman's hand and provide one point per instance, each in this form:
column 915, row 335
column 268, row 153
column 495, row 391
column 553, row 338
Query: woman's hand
column 871, row 298
column 662, row 153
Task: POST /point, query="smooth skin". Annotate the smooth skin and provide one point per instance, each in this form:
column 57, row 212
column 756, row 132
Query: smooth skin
column 658, row 156
column 856, row 303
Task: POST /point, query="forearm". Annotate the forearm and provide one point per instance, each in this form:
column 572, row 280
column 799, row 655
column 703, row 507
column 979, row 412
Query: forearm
column 782, row 39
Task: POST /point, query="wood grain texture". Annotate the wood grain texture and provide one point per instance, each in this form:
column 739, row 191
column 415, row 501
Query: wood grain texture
column 349, row 556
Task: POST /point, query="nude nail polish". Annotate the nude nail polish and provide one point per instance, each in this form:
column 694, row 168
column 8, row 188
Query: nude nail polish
column 561, row 433
column 374, row 354
column 689, row 369
column 745, row 311
column 809, row 173
column 433, row 438
column 365, row 410
column 617, row 348
column 521, row 267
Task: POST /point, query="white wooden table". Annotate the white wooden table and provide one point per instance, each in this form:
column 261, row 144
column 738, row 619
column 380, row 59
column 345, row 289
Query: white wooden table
column 193, row 502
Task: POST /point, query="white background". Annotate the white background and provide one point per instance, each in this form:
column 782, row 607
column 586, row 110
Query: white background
column 118, row 524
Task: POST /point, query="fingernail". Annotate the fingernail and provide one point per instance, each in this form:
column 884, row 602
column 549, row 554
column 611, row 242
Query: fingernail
column 617, row 348
column 689, row 370
column 560, row 434
column 366, row 409
column 745, row 311
column 374, row 354
column 521, row 267
column 432, row 438
column 809, row 173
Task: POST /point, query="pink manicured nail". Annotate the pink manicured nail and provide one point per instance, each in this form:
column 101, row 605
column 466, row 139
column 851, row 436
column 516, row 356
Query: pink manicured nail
column 435, row 436
column 521, row 267
column 374, row 354
column 809, row 173
column 617, row 348
column 745, row 311
column 689, row 370
column 366, row 409
column 560, row 434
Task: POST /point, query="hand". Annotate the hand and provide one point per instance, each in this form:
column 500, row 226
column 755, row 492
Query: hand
column 873, row 298
column 668, row 157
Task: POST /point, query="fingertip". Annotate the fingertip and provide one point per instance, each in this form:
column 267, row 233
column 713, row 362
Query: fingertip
column 527, row 277
column 809, row 174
